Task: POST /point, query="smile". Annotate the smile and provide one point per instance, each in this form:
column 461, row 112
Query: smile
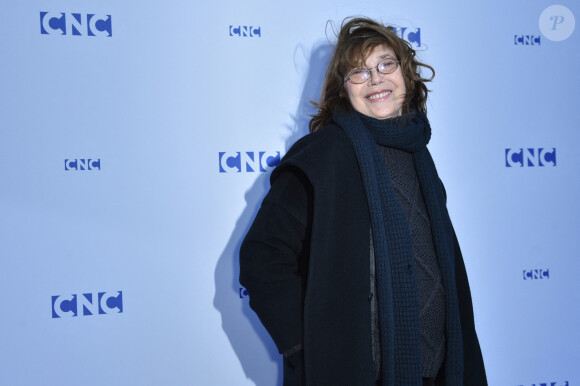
column 379, row 95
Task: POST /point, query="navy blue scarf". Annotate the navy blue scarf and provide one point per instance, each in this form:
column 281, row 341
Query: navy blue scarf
column 395, row 266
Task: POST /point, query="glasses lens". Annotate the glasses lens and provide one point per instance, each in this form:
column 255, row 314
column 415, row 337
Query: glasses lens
column 387, row 66
column 359, row 75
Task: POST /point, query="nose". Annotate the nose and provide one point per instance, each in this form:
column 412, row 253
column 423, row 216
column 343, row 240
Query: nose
column 375, row 77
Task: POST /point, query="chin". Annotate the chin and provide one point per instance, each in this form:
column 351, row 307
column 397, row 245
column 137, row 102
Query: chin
column 387, row 115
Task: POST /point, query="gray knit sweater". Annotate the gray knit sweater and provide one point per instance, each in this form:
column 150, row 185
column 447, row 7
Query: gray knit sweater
column 430, row 289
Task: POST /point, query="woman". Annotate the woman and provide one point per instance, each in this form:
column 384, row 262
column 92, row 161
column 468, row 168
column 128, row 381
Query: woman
column 352, row 263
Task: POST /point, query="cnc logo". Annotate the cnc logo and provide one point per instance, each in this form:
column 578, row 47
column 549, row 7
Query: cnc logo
column 82, row 164
column 530, row 157
column 527, row 40
column 75, row 24
column 245, row 31
column 536, row 274
column 557, row 23
column 96, row 303
column 563, row 383
column 243, row 293
column 248, row 161
column 413, row 36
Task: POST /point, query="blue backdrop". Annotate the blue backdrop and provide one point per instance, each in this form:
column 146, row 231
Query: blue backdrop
column 136, row 144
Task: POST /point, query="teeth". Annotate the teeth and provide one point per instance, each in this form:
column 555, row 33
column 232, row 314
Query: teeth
column 380, row 95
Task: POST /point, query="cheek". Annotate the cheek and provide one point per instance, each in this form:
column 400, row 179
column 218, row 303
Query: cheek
column 402, row 84
column 403, row 91
column 351, row 93
column 347, row 94
column 346, row 91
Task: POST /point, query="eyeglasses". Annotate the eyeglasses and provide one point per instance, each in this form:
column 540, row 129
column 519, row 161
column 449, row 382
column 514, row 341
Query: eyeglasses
column 362, row 74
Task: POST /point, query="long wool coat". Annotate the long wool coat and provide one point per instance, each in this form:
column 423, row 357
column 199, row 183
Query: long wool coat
column 310, row 287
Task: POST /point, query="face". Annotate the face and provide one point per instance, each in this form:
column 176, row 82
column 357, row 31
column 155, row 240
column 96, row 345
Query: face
column 382, row 95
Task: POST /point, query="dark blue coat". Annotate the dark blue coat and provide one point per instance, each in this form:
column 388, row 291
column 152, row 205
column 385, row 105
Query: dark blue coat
column 305, row 263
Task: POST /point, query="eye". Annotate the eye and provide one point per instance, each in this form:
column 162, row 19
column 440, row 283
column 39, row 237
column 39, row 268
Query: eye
column 359, row 75
column 387, row 66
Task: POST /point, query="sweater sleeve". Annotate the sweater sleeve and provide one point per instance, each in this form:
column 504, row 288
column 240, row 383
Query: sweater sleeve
column 273, row 259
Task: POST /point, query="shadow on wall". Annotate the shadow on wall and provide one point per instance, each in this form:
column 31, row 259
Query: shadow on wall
column 253, row 346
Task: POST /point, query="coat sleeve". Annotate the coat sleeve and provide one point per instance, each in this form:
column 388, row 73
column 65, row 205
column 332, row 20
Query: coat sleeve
column 273, row 260
column 474, row 370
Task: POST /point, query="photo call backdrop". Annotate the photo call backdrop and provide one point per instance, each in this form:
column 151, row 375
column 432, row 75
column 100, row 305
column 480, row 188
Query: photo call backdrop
column 138, row 137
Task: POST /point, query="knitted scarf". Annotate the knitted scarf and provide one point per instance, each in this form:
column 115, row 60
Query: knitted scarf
column 400, row 334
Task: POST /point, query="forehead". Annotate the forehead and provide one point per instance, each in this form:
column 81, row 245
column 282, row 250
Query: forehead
column 378, row 53
column 362, row 56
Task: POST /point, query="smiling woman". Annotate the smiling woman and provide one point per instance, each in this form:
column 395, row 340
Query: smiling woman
column 352, row 263
column 377, row 90
column 360, row 40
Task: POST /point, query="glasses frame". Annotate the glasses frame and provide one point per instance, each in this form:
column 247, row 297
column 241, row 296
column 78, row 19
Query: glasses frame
column 368, row 70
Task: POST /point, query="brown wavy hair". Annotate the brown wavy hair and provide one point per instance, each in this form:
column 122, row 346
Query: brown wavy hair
column 357, row 37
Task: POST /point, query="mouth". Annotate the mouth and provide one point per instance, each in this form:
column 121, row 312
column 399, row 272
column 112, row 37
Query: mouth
column 379, row 95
